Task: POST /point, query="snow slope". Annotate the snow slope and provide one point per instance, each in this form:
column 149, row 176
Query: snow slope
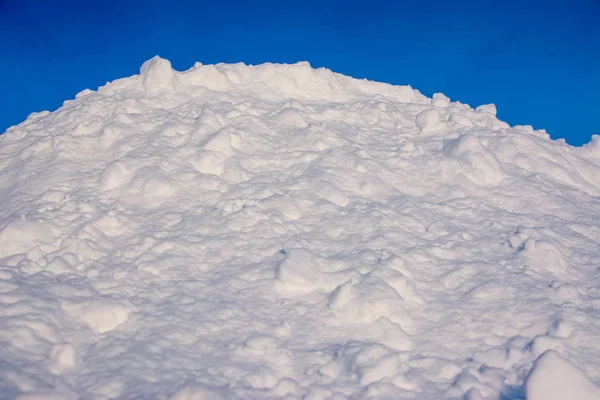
column 278, row 231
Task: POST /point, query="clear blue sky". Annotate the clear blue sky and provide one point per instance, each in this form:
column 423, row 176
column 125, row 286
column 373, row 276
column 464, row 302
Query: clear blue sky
column 538, row 61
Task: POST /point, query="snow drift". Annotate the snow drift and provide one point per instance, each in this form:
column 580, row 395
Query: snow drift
column 278, row 231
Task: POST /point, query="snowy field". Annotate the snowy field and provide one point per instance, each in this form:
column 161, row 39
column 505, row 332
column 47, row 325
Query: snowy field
column 283, row 232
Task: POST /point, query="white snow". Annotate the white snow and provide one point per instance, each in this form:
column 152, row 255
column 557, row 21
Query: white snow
column 554, row 378
column 279, row 231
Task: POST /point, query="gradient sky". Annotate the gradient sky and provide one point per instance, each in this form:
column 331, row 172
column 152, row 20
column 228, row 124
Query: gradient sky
column 538, row 61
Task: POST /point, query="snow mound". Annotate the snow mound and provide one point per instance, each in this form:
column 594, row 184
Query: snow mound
column 280, row 231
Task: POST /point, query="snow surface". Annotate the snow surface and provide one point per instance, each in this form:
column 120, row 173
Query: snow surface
column 278, row 231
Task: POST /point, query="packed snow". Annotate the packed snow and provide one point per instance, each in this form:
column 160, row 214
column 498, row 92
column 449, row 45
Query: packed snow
column 284, row 232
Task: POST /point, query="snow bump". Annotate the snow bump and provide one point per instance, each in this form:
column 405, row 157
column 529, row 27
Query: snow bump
column 479, row 164
column 554, row 378
column 157, row 73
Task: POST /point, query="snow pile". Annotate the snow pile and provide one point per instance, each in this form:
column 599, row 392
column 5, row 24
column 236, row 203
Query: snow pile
column 278, row 231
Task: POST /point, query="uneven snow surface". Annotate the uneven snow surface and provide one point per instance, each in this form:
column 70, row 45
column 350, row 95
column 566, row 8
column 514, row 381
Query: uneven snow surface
column 278, row 231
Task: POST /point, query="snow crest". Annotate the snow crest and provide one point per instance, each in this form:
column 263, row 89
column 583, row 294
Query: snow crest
column 279, row 231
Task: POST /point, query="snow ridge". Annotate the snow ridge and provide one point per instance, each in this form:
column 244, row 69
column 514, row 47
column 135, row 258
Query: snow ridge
column 279, row 231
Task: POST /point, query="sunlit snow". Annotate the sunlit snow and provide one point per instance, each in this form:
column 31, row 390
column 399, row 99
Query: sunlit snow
column 279, row 231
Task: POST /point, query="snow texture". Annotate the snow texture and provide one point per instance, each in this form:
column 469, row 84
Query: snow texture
column 279, row 231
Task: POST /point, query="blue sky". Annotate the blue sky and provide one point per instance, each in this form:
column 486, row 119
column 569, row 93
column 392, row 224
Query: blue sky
column 538, row 61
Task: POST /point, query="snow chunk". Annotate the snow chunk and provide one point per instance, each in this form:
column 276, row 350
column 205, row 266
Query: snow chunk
column 487, row 108
column 428, row 120
column 460, row 119
column 222, row 142
column 62, row 358
column 440, row 100
column 480, row 165
column 209, row 76
column 105, row 316
column 370, row 362
column 209, row 162
column 543, row 256
column 404, row 286
column 116, row 174
column 102, row 315
column 554, row 378
column 332, row 193
column 368, row 300
column 287, row 386
column 22, row 235
column 592, row 148
column 157, row 73
column 391, row 334
column 290, row 117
